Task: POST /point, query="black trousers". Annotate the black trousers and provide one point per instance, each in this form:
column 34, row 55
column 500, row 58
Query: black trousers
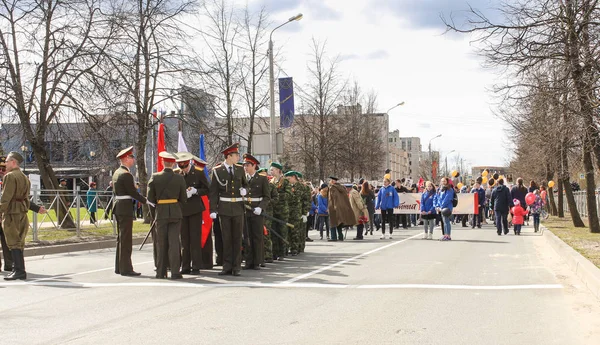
column 124, row 243
column 218, row 241
column 359, row 230
column 255, row 244
column 92, row 217
column 207, row 251
column 5, row 252
column 478, row 218
column 167, row 231
column 231, row 230
column 191, row 229
column 501, row 221
column 387, row 216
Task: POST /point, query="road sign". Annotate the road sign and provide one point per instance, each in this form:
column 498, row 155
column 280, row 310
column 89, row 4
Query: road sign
column 582, row 176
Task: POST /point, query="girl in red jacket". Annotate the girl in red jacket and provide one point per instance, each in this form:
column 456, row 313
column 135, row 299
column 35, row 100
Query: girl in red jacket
column 519, row 214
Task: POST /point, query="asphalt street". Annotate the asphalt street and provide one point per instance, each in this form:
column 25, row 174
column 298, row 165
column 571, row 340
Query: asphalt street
column 479, row 288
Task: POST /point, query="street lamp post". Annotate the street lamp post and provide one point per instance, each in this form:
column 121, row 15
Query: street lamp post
column 24, row 148
column 430, row 157
column 387, row 134
column 446, row 163
column 272, row 134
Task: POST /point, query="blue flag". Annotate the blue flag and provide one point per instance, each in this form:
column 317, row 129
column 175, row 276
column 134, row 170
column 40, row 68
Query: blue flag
column 203, row 155
column 286, row 102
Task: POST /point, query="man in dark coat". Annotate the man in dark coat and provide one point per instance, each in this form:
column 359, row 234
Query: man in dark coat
column 501, row 202
column 340, row 211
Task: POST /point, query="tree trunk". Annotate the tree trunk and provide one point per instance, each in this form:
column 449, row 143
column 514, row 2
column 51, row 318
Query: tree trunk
column 566, row 184
column 561, row 212
column 549, row 176
column 593, row 221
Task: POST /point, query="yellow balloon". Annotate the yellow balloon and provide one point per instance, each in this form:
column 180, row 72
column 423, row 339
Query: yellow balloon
column 459, row 185
column 484, row 180
column 502, row 177
column 388, row 176
column 454, row 173
column 484, row 173
column 551, row 184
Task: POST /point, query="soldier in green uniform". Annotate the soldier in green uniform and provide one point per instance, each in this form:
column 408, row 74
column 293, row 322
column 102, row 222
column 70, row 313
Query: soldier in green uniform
column 296, row 235
column 167, row 190
column 124, row 190
column 191, row 225
column 306, row 205
column 280, row 210
column 206, row 252
column 14, row 205
column 259, row 195
column 226, row 191
column 268, row 244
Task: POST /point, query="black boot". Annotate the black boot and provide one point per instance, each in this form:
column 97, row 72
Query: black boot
column 18, row 272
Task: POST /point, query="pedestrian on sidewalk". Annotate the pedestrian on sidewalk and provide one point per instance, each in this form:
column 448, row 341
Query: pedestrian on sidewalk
column 369, row 199
column 443, row 205
column 428, row 210
column 478, row 218
column 322, row 213
column 536, row 209
column 91, row 202
column 501, row 203
column 519, row 214
column 519, row 192
column 387, row 200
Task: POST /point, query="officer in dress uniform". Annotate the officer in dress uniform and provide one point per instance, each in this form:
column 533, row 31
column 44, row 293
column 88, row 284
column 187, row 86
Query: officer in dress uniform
column 226, row 191
column 124, row 190
column 206, row 252
column 258, row 199
column 191, row 225
column 14, row 205
column 167, row 190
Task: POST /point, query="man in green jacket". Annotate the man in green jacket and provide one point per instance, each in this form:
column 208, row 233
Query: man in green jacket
column 280, row 211
column 257, row 199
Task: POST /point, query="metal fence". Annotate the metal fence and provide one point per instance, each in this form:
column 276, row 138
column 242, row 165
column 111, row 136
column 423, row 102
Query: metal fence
column 581, row 202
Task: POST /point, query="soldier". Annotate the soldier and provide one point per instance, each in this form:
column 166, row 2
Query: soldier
column 124, row 190
column 296, row 235
column 258, row 199
column 168, row 191
column 226, row 191
column 8, row 263
column 280, row 211
column 306, row 205
column 268, row 244
column 191, row 225
column 206, row 251
column 14, row 205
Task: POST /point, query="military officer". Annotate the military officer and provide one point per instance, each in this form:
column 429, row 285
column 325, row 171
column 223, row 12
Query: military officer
column 226, row 191
column 268, row 244
column 258, row 199
column 168, row 191
column 191, row 225
column 14, row 205
column 206, row 251
column 280, row 211
column 124, row 190
column 295, row 215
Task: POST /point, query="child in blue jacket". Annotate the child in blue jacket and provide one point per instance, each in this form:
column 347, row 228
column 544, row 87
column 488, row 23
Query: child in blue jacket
column 387, row 200
column 428, row 212
column 443, row 204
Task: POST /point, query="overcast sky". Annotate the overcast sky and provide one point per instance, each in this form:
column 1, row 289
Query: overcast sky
column 397, row 48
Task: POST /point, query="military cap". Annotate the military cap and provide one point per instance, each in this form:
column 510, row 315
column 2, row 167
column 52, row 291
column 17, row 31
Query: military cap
column 262, row 172
column 183, row 157
column 291, row 173
column 3, row 161
column 248, row 158
column 16, row 156
column 299, row 174
column 199, row 161
column 168, row 157
column 231, row 149
column 348, row 185
column 277, row 165
column 333, row 178
column 62, row 180
column 126, row 152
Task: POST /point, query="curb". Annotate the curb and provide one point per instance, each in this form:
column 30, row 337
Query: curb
column 78, row 247
column 583, row 268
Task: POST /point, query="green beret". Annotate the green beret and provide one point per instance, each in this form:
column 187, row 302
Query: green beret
column 299, row 174
column 277, row 165
column 262, row 170
column 291, row 173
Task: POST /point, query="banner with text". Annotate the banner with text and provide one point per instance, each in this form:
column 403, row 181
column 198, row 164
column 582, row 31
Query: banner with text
column 286, row 102
column 410, row 203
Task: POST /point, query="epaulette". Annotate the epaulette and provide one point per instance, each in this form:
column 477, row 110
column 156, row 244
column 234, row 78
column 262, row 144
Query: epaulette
column 239, row 165
column 198, row 168
column 177, row 170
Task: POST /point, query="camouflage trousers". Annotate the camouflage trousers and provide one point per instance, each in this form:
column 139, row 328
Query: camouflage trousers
column 268, row 242
column 279, row 247
column 295, row 236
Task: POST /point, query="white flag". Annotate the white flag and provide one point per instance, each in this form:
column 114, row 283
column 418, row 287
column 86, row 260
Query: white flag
column 181, row 147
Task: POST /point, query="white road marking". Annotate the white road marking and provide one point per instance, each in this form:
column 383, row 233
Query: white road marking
column 81, row 273
column 317, row 271
column 171, row 284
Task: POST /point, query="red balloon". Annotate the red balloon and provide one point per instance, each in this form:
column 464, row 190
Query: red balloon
column 530, row 198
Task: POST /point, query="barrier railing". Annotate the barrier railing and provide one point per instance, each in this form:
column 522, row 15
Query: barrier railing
column 581, row 202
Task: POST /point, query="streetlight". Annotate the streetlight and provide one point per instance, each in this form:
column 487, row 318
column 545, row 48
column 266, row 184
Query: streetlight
column 272, row 88
column 430, row 157
column 387, row 133
column 24, row 148
column 446, row 164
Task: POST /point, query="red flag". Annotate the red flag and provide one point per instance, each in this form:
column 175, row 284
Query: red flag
column 160, row 146
column 206, row 221
column 421, row 183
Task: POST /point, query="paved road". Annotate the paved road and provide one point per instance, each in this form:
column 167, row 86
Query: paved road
column 478, row 289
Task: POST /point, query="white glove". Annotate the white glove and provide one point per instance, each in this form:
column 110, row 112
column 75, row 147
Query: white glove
column 257, row 211
column 243, row 192
column 213, row 215
column 189, row 193
column 150, row 203
column 304, row 219
column 193, row 190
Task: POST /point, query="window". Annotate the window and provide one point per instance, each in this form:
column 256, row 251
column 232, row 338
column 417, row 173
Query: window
column 409, row 145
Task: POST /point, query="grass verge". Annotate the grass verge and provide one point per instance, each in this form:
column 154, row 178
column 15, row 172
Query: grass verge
column 580, row 239
column 89, row 233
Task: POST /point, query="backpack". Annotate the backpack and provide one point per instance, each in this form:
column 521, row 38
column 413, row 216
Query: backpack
column 454, row 199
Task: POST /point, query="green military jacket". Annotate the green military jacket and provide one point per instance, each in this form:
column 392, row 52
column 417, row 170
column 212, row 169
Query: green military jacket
column 258, row 187
column 281, row 209
column 295, row 201
column 15, row 193
column 306, row 199
column 274, row 199
column 194, row 178
column 224, row 195
column 124, row 185
column 167, row 185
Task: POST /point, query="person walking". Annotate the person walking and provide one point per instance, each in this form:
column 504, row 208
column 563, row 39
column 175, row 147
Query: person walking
column 92, row 202
column 322, row 212
column 444, row 205
column 536, row 210
column 340, row 210
column 518, row 214
column 501, row 202
column 387, row 200
column 478, row 218
column 519, row 192
column 369, row 199
column 359, row 208
column 428, row 212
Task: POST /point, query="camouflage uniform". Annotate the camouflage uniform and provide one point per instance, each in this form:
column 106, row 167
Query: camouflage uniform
column 281, row 211
column 268, row 223
column 306, row 205
column 296, row 235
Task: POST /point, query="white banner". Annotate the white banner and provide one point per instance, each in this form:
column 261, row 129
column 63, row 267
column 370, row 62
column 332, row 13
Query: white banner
column 36, row 183
column 410, row 203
